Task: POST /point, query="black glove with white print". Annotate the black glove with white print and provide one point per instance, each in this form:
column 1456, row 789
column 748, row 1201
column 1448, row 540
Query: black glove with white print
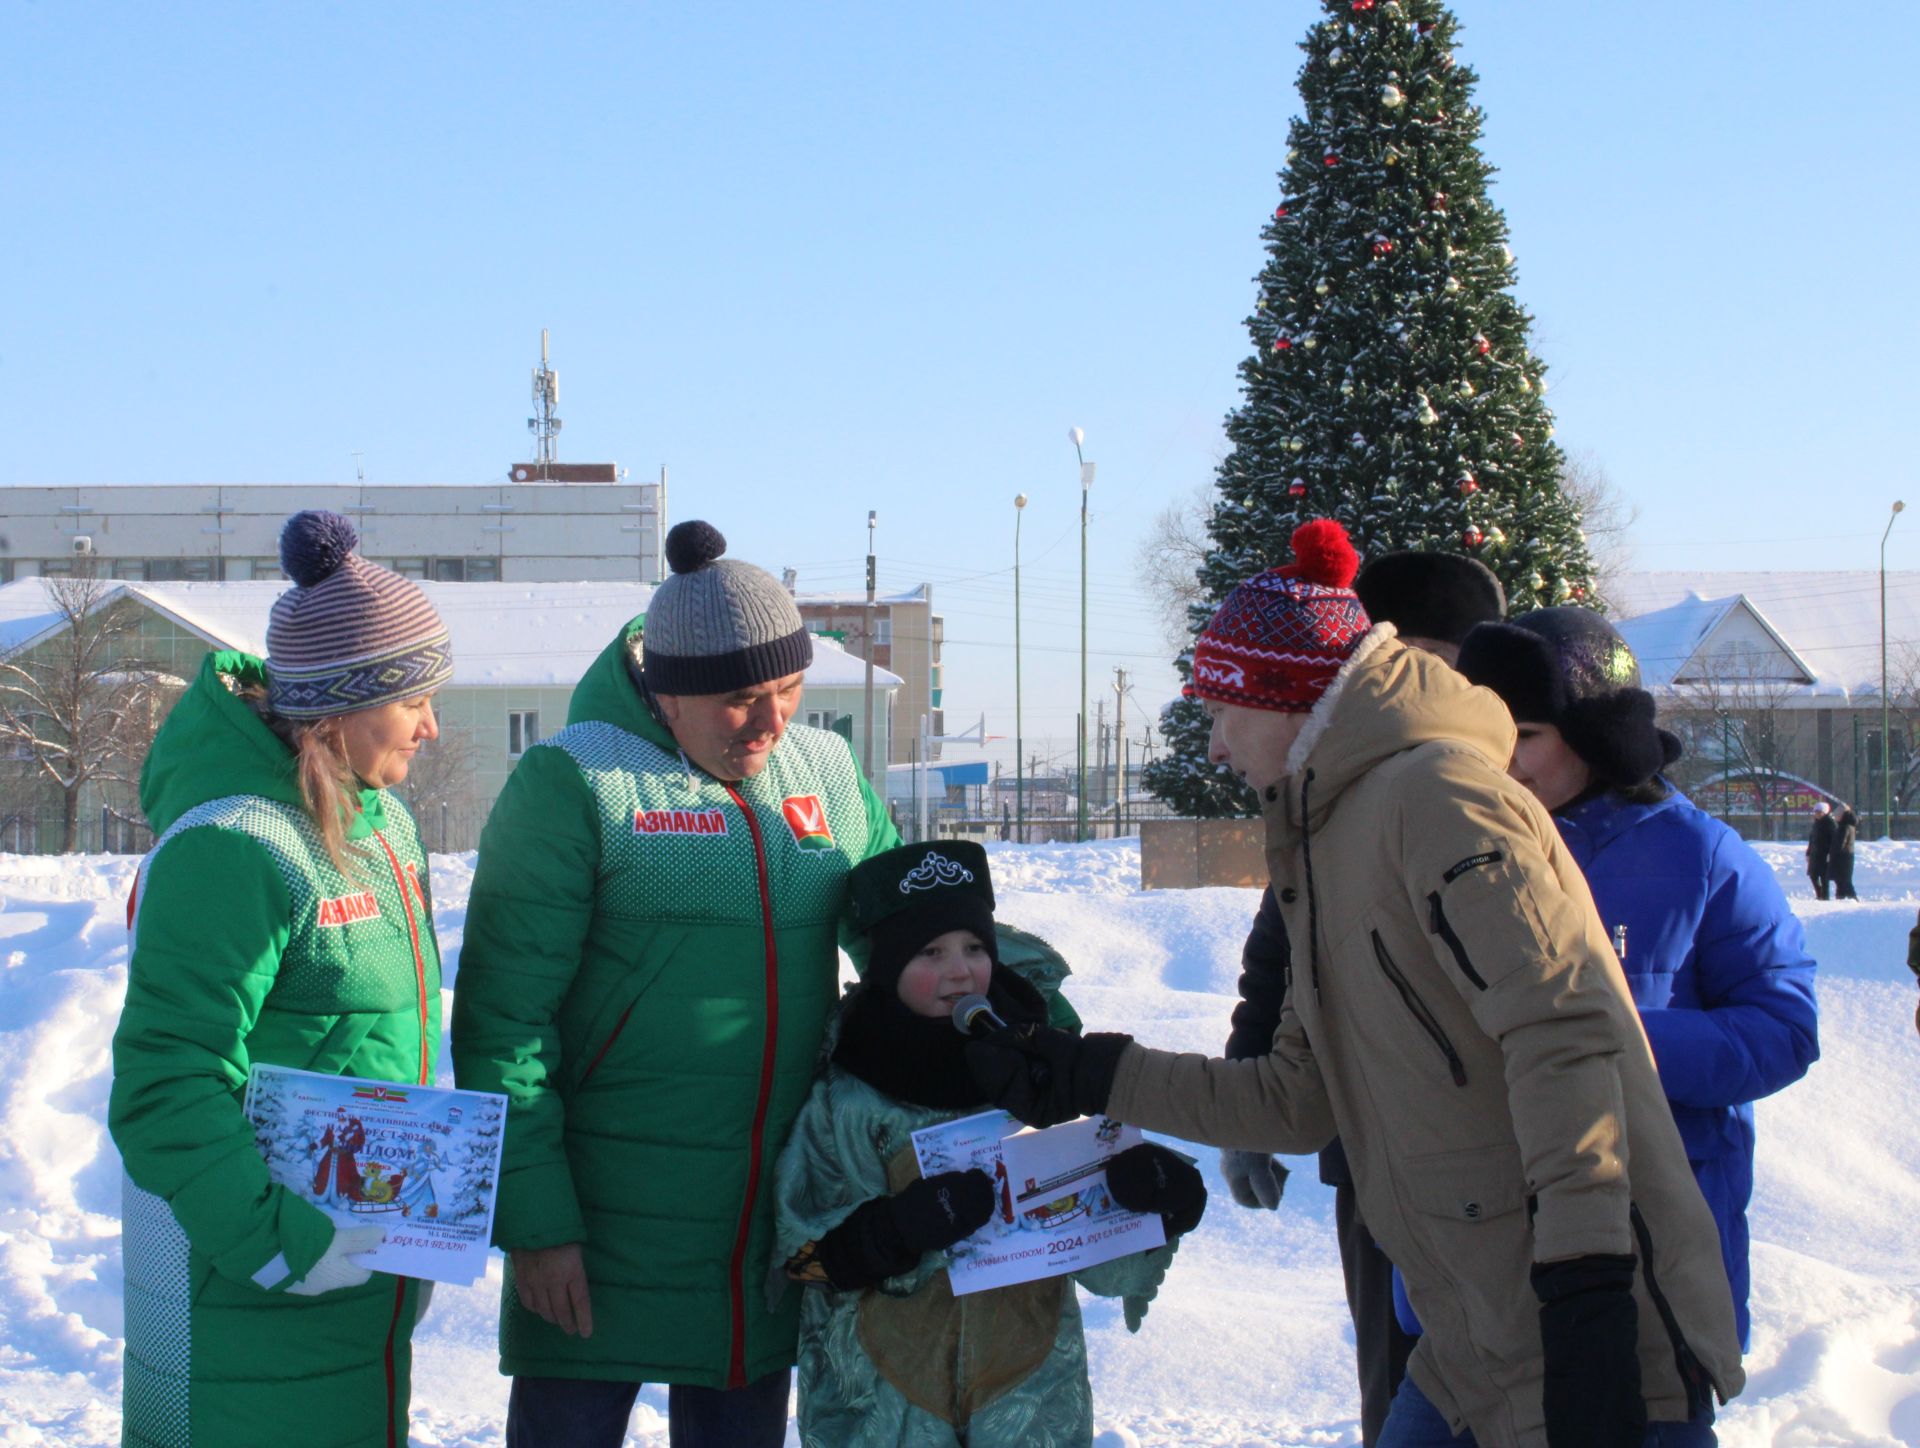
column 884, row 1237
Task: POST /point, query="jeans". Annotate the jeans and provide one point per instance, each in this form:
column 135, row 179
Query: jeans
column 1414, row 1422
column 586, row 1413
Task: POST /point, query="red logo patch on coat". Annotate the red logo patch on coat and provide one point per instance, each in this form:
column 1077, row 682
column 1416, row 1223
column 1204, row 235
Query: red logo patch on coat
column 807, row 818
column 348, row 908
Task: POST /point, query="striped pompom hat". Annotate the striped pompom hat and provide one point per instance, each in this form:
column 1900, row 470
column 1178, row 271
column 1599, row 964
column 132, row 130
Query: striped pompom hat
column 349, row 635
column 1280, row 638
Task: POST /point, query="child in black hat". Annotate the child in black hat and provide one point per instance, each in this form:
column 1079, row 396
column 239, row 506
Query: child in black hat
column 888, row 1355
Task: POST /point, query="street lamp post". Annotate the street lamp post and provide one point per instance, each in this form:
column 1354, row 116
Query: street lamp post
column 866, row 647
column 1886, row 736
column 1019, row 732
column 1077, row 436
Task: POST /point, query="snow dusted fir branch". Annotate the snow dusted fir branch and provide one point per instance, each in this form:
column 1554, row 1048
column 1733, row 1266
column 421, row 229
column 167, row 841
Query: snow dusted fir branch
column 1390, row 384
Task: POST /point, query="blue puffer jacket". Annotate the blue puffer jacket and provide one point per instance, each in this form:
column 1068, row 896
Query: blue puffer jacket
column 1718, row 966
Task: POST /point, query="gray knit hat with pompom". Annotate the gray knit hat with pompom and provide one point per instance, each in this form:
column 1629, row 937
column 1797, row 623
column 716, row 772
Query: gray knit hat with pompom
column 718, row 624
column 349, row 635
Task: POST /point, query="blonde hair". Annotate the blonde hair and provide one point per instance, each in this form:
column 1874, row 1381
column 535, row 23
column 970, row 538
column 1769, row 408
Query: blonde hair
column 328, row 786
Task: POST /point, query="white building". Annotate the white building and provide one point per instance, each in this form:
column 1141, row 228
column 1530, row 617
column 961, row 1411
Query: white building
column 550, row 522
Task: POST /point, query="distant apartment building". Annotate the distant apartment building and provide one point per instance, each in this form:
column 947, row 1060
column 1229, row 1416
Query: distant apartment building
column 547, row 522
column 907, row 638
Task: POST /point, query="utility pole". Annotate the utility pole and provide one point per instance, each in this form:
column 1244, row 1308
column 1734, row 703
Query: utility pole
column 867, row 649
column 1120, row 733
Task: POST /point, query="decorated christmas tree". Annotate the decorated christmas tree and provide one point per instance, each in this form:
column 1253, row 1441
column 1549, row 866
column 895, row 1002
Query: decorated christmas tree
column 1390, row 383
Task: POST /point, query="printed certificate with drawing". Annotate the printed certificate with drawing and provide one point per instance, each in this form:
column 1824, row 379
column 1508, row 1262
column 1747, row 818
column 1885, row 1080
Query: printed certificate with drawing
column 1055, row 1213
column 421, row 1161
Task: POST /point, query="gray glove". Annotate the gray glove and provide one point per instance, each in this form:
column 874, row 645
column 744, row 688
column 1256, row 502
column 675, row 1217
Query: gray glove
column 1255, row 1179
column 336, row 1267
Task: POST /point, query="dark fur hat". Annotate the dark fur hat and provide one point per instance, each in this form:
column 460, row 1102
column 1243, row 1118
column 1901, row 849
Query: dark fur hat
column 1430, row 595
column 1568, row 667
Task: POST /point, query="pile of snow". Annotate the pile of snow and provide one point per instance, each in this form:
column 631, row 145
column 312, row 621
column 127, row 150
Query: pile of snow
column 1249, row 1340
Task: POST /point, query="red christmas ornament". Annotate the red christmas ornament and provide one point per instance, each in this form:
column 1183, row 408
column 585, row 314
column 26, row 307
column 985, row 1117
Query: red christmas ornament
column 1437, row 202
column 1473, row 537
column 1282, row 344
column 1481, row 344
column 1362, row 6
column 1331, row 159
column 1279, row 213
column 1467, row 485
column 1578, row 591
column 1382, row 246
column 1516, row 439
column 1297, row 489
column 1426, row 27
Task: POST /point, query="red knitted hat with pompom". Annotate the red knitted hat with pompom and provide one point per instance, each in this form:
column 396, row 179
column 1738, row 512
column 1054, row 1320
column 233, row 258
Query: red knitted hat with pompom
column 1279, row 639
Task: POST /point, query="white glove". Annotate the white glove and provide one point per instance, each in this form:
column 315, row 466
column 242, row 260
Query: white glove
column 1255, row 1179
column 336, row 1267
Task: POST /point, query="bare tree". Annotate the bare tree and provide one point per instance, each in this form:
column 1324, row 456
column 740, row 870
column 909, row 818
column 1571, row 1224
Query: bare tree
column 439, row 785
column 78, row 708
column 1735, row 713
column 1169, row 562
column 1606, row 518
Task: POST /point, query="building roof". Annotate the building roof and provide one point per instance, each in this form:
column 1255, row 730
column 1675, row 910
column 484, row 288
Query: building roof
column 840, row 598
column 506, row 635
column 1816, row 631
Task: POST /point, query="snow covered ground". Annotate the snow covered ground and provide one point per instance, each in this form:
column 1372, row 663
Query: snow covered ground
column 1247, row 1344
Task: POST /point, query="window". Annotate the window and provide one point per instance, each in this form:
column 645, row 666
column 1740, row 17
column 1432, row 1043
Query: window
column 133, row 569
column 409, row 567
column 180, row 570
column 819, row 719
column 883, row 631
column 449, row 570
column 6, row 570
column 523, row 731
column 483, row 570
column 56, row 568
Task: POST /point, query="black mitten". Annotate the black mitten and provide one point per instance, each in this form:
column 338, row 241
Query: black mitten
column 1589, row 1339
column 884, row 1237
column 1044, row 1075
column 1149, row 1178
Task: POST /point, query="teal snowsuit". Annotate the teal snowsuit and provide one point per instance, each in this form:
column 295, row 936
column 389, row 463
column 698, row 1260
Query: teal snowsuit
column 900, row 1364
column 235, row 961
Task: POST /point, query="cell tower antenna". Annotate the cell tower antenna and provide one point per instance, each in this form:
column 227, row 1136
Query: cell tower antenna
column 544, row 426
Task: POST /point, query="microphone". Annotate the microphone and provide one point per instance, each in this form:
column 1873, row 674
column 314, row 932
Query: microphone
column 972, row 1016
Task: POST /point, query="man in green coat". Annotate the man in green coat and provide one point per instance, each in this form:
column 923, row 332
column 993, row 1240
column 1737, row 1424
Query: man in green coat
column 650, row 962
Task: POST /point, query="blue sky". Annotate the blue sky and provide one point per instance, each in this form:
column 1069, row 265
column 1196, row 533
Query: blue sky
column 821, row 259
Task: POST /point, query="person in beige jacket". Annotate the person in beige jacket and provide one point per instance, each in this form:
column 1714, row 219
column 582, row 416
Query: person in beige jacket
column 1457, row 1017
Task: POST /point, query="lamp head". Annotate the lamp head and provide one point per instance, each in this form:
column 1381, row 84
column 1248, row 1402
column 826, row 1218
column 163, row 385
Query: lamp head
column 1899, row 507
column 1019, row 500
column 1076, row 435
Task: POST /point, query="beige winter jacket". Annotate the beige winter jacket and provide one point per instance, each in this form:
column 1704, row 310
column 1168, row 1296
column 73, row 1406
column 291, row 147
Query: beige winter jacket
column 1457, row 1016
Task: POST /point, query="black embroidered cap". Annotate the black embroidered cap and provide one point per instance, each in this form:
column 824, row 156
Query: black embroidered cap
column 905, row 897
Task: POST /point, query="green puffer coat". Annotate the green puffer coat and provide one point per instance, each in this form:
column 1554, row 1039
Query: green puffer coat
column 896, row 1365
column 650, row 960
column 231, row 965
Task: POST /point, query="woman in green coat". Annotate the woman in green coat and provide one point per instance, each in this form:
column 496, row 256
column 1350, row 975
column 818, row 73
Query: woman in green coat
column 888, row 1355
column 281, row 917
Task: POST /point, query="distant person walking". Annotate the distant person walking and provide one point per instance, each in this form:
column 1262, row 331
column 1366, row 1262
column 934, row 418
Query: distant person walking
column 1820, row 849
column 1846, row 827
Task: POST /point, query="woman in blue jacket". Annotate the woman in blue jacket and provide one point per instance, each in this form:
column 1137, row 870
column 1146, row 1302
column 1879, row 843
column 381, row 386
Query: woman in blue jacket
column 1716, row 960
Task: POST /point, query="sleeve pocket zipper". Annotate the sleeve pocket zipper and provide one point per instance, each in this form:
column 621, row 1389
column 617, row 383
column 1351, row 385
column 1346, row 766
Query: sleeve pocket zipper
column 1418, row 1009
column 1439, row 925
